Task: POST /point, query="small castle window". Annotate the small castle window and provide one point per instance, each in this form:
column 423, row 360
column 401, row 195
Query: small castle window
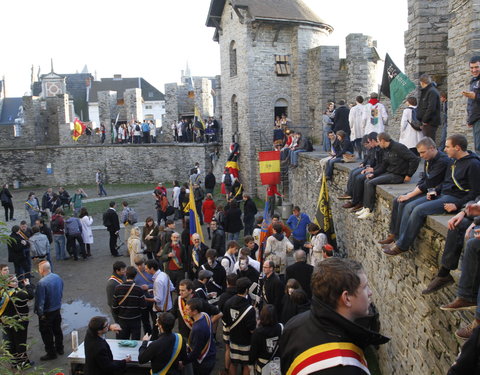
column 150, row 94
column 282, row 65
column 233, row 59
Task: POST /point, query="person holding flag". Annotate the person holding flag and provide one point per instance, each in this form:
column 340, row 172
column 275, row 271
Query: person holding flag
column 78, row 129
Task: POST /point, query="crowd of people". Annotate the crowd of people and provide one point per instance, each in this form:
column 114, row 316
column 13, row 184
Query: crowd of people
column 187, row 130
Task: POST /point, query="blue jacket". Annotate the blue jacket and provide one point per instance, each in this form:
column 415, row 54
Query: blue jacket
column 48, row 295
column 73, row 226
column 299, row 226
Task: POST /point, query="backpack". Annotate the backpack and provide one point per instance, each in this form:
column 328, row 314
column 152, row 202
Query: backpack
column 415, row 124
column 106, row 220
column 137, row 128
column 308, row 145
column 55, row 225
column 132, row 216
column 227, row 180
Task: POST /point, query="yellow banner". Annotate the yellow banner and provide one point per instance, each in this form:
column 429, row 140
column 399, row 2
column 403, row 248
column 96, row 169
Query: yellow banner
column 270, row 166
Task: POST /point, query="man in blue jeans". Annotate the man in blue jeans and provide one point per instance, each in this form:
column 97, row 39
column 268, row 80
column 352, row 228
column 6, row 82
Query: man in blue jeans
column 468, row 297
column 459, row 187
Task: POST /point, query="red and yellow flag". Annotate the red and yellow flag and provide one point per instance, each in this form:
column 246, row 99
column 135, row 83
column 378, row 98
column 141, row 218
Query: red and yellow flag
column 78, row 129
column 269, row 162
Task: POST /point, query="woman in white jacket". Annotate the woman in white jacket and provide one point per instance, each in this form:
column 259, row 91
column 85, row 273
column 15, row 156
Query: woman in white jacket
column 408, row 135
column 317, row 241
column 87, row 234
column 277, row 247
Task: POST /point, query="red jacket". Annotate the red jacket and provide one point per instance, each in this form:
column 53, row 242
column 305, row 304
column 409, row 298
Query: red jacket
column 208, row 209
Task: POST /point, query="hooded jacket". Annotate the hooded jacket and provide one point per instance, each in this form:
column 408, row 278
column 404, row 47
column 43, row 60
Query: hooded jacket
column 473, row 105
column 429, row 109
column 306, row 336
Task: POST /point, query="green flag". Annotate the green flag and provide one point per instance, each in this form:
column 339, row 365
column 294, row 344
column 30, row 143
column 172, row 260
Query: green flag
column 395, row 84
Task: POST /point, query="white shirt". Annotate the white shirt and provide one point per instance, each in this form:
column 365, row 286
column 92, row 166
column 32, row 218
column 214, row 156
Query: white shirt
column 162, row 289
column 254, row 263
column 408, row 135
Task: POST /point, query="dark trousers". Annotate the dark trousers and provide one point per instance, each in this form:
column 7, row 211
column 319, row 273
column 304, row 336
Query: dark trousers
column 357, row 146
column 454, row 245
column 198, row 206
column 175, row 276
column 429, row 131
column 131, row 329
column 204, row 368
column 22, row 269
column 113, row 242
column 248, row 223
column 271, row 204
column 51, row 331
column 148, row 317
column 161, row 215
column 298, row 244
column 370, row 187
column 397, row 212
column 16, row 340
column 351, row 179
column 8, row 207
column 72, row 247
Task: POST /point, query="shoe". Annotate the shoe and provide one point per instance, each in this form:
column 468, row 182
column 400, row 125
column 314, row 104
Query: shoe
column 60, row 351
column 465, row 332
column 360, row 212
column 345, row 196
column 117, row 255
column 388, row 246
column 390, row 238
column 394, row 250
column 366, row 214
column 459, row 304
column 48, row 357
column 348, row 205
column 357, row 208
column 438, row 283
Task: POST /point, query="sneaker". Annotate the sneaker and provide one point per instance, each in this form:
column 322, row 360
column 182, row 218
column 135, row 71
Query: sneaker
column 366, row 214
column 360, row 212
column 438, row 283
column 465, row 332
column 459, row 304
column 60, row 351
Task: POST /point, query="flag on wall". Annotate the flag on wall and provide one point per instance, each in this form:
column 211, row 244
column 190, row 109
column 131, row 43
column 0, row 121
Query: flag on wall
column 195, row 226
column 198, row 117
column 78, row 129
column 323, row 214
column 395, row 84
column 263, row 233
column 269, row 162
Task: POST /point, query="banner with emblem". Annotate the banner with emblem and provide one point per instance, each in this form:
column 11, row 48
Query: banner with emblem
column 269, row 166
column 323, row 215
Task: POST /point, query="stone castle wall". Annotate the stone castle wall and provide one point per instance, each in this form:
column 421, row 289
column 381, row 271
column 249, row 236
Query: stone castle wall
column 422, row 339
column 121, row 163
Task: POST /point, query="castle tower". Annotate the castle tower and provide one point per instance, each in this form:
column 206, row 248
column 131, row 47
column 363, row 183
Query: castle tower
column 264, row 52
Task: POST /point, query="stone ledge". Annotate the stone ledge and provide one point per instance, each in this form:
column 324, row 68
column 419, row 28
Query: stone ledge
column 417, row 326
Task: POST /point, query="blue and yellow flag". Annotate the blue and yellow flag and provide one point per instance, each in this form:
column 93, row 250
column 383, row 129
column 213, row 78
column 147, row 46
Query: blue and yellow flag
column 195, row 226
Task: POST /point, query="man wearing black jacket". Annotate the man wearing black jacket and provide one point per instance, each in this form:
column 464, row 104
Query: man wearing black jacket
column 459, row 187
column 436, row 163
column 340, row 118
column 300, row 271
column 249, row 212
column 210, row 182
column 398, row 166
column 429, row 108
column 110, row 220
column 272, row 288
column 218, row 238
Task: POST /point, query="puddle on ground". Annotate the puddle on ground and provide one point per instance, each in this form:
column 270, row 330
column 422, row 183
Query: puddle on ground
column 76, row 315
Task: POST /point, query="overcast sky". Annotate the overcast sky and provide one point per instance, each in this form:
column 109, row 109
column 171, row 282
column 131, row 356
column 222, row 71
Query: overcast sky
column 153, row 39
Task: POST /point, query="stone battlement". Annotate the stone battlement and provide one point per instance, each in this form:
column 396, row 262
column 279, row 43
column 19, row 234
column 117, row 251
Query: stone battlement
column 422, row 335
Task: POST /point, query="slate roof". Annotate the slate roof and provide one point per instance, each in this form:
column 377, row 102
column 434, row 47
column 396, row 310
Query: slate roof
column 10, row 110
column 149, row 92
column 295, row 11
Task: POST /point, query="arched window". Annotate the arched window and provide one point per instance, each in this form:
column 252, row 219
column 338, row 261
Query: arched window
column 234, row 109
column 281, row 108
column 233, row 59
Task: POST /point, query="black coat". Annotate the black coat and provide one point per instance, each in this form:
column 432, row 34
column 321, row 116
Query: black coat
column 16, row 250
column 340, row 120
column 5, row 196
column 302, row 272
column 210, row 181
column 111, row 216
column 233, row 220
column 218, row 241
column 249, row 209
column 398, row 159
column 99, row 357
column 429, row 108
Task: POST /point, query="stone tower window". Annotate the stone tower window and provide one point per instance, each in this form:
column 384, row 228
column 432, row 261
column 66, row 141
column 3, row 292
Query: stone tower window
column 233, row 59
column 282, row 65
column 234, row 109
